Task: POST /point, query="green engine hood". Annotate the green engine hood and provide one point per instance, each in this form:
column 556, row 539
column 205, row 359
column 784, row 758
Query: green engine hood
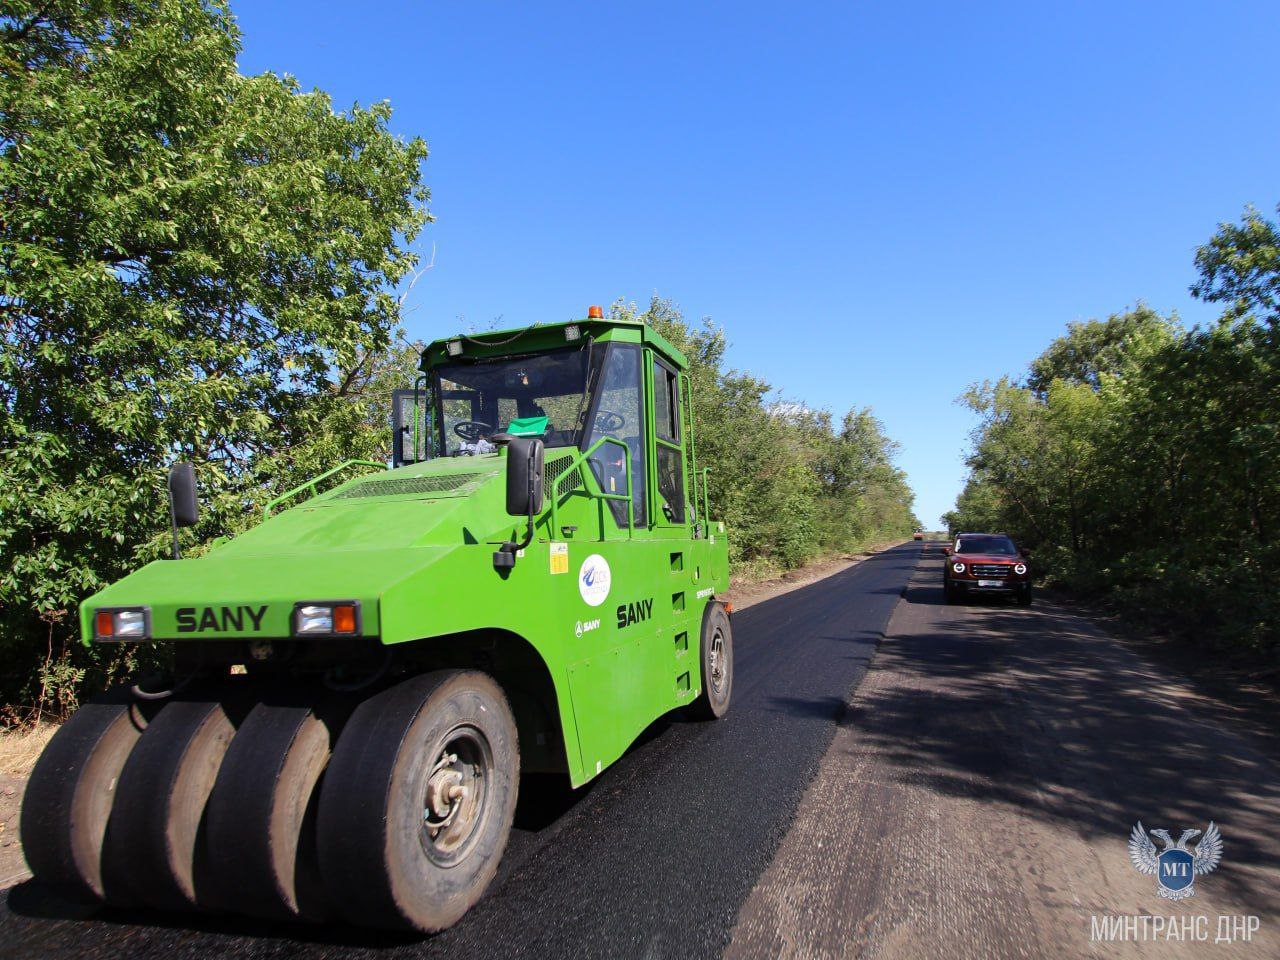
column 352, row 543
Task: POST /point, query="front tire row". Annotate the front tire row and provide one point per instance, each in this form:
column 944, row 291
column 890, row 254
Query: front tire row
column 391, row 812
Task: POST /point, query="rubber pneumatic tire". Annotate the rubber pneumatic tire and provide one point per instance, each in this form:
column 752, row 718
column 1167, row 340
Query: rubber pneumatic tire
column 154, row 854
column 715, row 651
column 261, row 813
column 69, row 797
column 380, row 863
column 1024, row 597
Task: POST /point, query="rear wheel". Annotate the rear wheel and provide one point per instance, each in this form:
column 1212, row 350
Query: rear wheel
column 69, row 797
column 417, row 803
column 716, row 648
column 261, row 815
column 153, row 854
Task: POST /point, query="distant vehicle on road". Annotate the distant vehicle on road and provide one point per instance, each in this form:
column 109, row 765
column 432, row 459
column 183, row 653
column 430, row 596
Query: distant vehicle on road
column 986, row 563
column 918, row 535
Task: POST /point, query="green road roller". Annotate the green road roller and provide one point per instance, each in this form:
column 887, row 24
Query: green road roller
column 360, row 680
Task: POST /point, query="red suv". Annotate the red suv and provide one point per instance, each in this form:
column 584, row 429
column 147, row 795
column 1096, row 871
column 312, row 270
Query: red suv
column 981, row 563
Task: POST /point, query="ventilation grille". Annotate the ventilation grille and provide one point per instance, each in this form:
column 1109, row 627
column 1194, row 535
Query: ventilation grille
column 570, row 482
column 406, row 485
column 993, row 570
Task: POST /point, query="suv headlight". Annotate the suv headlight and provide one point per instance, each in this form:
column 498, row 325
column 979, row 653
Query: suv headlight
column 958, row 567
column 1020, row 569
column 326, row 618
column 122, row 623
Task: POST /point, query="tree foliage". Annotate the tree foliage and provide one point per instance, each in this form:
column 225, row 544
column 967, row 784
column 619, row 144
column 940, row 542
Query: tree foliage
column 1143, row 458
column 193, row 263
column 788, row 481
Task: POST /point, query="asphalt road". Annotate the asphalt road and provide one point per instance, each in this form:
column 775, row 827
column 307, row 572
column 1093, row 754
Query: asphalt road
column 654, row 859
column 977, row 798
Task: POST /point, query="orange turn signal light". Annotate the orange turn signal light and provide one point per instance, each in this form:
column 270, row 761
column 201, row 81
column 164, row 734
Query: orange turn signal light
column 344, row 618
column 104, row 625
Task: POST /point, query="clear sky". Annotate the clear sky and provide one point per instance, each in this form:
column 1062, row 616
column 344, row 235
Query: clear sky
column 881, row 203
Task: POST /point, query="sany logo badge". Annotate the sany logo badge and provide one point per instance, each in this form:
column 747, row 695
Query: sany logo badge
column 594, row 580
column 585, row 626
column 1175, row 867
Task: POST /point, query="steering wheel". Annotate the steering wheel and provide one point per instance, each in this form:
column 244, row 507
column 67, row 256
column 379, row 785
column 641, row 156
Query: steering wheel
column 472, row 430
column 609, row 422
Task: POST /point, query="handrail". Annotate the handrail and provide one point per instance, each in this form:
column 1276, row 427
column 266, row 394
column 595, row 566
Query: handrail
column 706, row 497
column 576, row 463
column 311, row 484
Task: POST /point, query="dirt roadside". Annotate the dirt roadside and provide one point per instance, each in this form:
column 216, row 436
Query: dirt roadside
column 13, row 868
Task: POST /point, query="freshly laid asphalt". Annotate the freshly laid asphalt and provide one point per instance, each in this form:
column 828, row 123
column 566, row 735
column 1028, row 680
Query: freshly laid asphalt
column 654, row 859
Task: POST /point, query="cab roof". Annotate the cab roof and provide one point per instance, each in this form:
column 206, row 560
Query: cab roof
column 545, row 336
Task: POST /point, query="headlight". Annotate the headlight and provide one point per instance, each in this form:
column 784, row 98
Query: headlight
column 1020, row 569
column 958, row 567
column 327, row 618
column 122, row 623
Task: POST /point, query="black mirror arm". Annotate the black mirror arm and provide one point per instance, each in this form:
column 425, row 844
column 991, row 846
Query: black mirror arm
column 505, row 557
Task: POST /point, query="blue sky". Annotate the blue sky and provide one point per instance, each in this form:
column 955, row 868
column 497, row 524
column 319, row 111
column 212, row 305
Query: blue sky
column 880, row 203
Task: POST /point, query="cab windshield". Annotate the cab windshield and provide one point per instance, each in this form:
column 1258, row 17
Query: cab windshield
column 538, row 395
column 996, row 546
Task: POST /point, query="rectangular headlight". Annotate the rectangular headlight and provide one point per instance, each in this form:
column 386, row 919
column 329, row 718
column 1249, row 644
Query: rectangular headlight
column 327, row 618
column 122, row 623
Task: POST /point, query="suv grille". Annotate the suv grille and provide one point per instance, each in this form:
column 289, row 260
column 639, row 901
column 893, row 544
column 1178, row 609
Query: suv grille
column 990, row 570
column 406, row 485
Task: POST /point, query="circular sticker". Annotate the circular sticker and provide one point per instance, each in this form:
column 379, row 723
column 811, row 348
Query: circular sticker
column 594, row 580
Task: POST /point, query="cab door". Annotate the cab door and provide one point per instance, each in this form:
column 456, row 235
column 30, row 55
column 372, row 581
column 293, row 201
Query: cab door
column 669, row 481
column 676, row 649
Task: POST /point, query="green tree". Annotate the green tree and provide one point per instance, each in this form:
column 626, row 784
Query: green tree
column 193, row 264
column 1092, row 349
column 1240, row 266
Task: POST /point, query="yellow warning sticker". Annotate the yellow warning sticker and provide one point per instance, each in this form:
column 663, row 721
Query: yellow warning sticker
column 559, row 558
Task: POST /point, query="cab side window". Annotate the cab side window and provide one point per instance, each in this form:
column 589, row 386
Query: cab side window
column 669, row 455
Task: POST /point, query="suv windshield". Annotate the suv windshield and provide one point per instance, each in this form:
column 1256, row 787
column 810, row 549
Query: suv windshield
column 543, row 392
column 1000, row 546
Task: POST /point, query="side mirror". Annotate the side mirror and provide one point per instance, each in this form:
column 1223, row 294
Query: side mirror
column 183, row 503
column 947, row 550
column 525, row 457
column 184, row 508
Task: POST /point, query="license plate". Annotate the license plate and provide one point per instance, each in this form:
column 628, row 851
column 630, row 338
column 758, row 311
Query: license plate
column 991, row 583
